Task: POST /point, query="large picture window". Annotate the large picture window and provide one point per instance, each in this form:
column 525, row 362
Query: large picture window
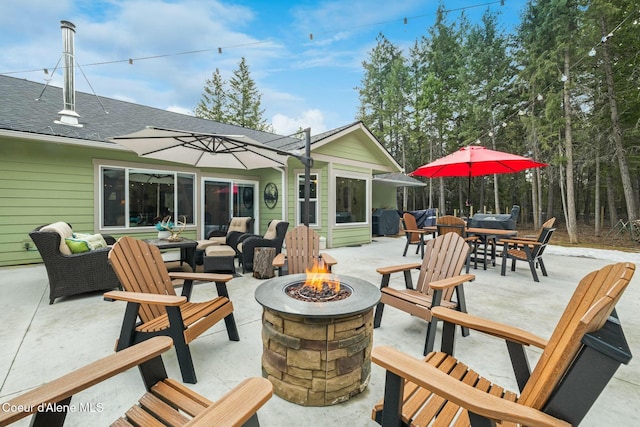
column 314, row 206
column 134, row 197
column 351, row 200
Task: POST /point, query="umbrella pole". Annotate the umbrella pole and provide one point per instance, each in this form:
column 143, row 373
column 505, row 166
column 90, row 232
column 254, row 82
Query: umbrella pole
column 468, row 198
column 307, row 176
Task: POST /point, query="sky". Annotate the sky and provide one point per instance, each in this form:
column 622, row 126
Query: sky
column 176, row 45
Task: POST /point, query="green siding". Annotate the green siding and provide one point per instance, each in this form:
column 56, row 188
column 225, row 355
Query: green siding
column 353, row 235
column 41, row 183
column 384, row 197
column 355, row 146
column 266, row 214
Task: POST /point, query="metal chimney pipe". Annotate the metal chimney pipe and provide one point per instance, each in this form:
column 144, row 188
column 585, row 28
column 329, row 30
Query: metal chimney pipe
column 68, row 115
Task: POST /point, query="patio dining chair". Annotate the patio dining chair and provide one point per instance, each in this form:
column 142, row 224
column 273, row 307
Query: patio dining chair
column 528, row 250
column 577, row 361
column 414, row 235
column 153, row 308
column 452, row 224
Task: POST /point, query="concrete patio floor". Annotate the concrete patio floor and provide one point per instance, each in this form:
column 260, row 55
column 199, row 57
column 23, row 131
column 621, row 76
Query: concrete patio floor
column 42, row 341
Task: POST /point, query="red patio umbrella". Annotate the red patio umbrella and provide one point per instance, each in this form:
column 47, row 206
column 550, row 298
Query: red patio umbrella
column 475, row 161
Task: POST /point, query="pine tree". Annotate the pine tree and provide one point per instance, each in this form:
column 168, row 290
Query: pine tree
column 243, row 107
column 213, row 104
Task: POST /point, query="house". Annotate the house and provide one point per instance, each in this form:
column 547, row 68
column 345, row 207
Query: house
column 56, row 164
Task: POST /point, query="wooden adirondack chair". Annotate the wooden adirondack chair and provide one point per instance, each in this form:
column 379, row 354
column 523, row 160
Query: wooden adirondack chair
column 303, row 250
column 151, row 298
column 439, row 279
column 528, row 250
column 166, row 402
column 583, row 353
column 453, row 224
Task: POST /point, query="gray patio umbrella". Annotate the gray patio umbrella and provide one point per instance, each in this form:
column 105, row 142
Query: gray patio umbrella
column 209, row 150
column 201, row 149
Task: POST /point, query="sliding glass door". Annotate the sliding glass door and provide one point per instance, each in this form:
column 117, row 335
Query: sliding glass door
column 226, row 199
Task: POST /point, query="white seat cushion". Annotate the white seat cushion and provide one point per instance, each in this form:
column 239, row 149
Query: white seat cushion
column 222, row 250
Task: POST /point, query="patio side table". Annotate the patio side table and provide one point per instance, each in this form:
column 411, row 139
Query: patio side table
column 187, row 248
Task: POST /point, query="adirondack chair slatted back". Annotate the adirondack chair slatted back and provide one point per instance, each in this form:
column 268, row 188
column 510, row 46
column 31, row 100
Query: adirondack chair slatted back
column 140, row 268
column 409, row 223
column 303, row 248
column 444, row 257
column 593, row 301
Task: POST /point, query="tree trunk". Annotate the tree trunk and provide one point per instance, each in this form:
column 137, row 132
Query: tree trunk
column 596, row 201
column 617, row 133
column 263, row 262
column 572, row 223
column 611, row 201
column 563, row 196
column 550, row 193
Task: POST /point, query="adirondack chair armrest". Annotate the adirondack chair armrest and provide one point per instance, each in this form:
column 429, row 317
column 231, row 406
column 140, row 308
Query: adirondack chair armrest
column 399, row 268
column 451, row 282
column 144, row 298
column 237, row 406
column 419, row 231
column 328, row 259
column 489, row 327
column 83, row 378
column 521, row 242
column 200, row 277
column 474, row 400
column 279, row 260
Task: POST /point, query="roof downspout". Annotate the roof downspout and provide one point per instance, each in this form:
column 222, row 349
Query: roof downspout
column 68, row 115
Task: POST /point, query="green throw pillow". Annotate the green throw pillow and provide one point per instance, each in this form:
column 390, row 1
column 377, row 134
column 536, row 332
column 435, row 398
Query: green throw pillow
column 77, row 246
column 95, row 241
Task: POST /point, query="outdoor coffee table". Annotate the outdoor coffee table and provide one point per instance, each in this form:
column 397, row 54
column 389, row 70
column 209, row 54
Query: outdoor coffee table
column 187, row 248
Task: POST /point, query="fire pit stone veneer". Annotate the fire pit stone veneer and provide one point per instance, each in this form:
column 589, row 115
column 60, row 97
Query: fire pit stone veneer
column 317, row 353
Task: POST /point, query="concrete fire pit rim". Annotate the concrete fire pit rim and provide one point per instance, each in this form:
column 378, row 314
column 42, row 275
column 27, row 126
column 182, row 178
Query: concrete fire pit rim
column 271, row 294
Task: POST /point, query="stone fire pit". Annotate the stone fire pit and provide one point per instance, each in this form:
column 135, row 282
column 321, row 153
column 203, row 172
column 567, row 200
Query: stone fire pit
column 317, row 353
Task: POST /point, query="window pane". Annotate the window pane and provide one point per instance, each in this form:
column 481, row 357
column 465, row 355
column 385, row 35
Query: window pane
column 113, row 197
column 351, row 202
column 151, row 197
column 216, row 206
column 186, row 197
column 313, row 220
column 243, row 200
column 313, row 186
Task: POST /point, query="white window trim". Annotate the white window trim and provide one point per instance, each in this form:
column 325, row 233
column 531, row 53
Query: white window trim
column 298, row 175
column 127, row 168
column 332, row 202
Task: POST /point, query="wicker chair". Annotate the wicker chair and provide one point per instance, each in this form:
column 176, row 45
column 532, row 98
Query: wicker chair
column 273, row 238
column 71, row 274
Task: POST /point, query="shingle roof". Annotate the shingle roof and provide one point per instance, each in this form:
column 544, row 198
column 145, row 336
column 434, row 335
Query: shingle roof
column 20, row 110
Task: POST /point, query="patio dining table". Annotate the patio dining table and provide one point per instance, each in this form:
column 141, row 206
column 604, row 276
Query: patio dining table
column 487, row 236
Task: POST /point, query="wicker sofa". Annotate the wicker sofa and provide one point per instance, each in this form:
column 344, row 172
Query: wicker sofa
column 69, row 273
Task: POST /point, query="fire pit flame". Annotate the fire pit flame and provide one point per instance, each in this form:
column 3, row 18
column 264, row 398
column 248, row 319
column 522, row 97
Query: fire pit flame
column 317, row 280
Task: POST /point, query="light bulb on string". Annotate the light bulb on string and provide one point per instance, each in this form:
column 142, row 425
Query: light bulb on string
column 592, row 52
column 564, row 78
column 539, row 97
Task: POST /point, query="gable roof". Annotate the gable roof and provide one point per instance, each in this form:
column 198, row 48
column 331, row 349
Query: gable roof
column 29, row 107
